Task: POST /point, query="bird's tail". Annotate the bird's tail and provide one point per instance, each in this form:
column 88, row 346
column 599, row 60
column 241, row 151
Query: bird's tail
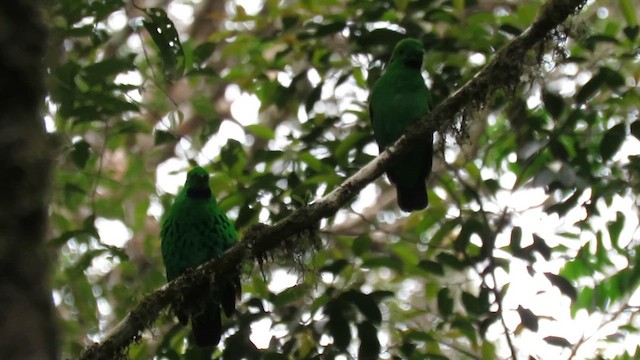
column 412, row 198
column 231, row 291
column 207, row 326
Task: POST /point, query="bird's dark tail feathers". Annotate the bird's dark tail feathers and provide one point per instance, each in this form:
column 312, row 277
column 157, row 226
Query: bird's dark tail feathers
column 207, row 326
column 412, row 198
column 231, row 292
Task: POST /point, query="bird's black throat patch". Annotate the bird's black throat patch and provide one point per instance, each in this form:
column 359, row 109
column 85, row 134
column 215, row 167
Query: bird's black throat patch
column 199, row 193
column 413, row 62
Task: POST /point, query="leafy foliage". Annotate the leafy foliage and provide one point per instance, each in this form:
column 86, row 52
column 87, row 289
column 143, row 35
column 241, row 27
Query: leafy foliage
column 536, row 200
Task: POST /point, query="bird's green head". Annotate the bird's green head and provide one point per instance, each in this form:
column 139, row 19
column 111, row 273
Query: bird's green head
column 197, row 184
column 409, row 52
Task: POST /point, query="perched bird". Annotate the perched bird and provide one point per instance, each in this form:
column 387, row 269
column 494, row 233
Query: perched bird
column 398, row 98
column 194, row 231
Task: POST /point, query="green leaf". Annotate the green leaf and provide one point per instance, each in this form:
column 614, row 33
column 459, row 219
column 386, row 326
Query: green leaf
column 563, row 285
column 335, row 267
column 553, row 103
column 381, row 36
column 528, row 319
column 511, row 29
column 516, row 238
column 406, row 252
column 233, row 346
column 347, row 144
column 485, row 323
column 203, row 52
column 516, row 248
column 445, row 303
column 612, row 141
column 80, row 153
column 204, row 107
column 358, row 76
column 261, row 131
column 165, row 36
column 361, row 244
column 380, row 295
column 73, row 194
column 564, row 207
column 635, row 129
column 431, row 267
column 592, row 41
column 289, row 20
column 271, row 355
column 451, row 261
column 101, row 71
column 488, row 350
column 559, row 150
column 313, row 97
column 628, row 10
column 466, row 327
column 443, row 232
column 432, row 356
column 612, row 77
column 338, row 326
column 541, row 246
column 311, row 161
column 330, row 28
column 471, row 303
column 589, row 89
column 390, row 262
column 483, row 300
column 558, row 341
column 103, row 8
column 83, row 299
column 585, row 300
column 369, row 348
column 132, row 126
column 615, row 228
column 233, row 156
column 470, row 227
column 290, row 295
column 440, row 15
column 162, row 137
column 632, row 31
column 365, row 304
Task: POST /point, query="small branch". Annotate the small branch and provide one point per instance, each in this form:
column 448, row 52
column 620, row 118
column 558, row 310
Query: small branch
column 460, row 349
column 496, row 293
column 503, row 72
column 623, row 309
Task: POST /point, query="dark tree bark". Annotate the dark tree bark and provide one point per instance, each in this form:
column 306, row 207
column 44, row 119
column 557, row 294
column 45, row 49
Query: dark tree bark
column 27, row 325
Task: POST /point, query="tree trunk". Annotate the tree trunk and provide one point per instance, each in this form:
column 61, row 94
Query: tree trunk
column 27, row 325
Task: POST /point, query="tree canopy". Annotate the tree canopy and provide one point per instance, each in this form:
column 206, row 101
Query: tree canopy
column 528, row 246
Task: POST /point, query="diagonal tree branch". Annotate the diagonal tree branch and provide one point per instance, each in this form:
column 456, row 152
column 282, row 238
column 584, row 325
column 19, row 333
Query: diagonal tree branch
column 503, row 72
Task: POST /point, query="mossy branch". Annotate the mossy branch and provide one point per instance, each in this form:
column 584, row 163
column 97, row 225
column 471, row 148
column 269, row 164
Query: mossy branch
column 503, row 72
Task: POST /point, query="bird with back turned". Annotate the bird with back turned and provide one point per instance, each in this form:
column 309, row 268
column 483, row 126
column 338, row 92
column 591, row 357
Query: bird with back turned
column 399, row 98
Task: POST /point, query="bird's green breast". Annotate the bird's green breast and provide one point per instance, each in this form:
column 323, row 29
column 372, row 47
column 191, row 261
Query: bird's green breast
column 398, row 98
column 194, row 232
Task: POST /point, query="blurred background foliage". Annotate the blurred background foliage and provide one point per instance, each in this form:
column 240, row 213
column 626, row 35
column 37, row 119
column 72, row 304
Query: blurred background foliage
column 528, row 247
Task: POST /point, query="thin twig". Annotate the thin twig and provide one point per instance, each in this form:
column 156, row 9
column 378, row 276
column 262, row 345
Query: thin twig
column 507, row 334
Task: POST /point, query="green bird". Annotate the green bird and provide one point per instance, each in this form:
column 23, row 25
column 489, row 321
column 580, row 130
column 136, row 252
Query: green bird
column 194, row 231
column 398, row 98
